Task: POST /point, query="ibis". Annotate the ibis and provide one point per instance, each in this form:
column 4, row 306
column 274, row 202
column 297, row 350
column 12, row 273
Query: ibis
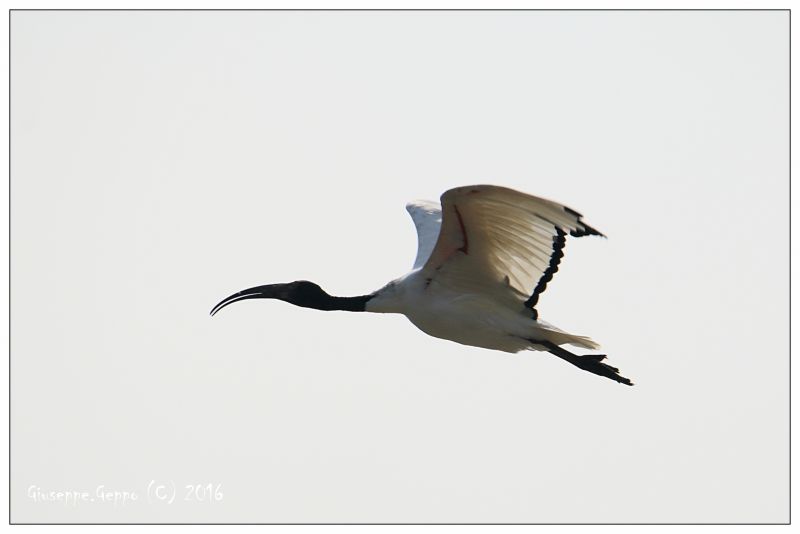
column 485, row 255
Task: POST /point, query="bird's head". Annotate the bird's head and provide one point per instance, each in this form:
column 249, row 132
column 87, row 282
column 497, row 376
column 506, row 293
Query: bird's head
column 300, row 293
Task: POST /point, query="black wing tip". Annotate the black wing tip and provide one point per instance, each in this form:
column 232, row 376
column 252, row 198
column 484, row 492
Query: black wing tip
column 583, row 228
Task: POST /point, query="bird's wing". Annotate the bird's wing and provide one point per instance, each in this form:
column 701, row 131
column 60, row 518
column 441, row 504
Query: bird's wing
column 427, row 218
column 494, row 237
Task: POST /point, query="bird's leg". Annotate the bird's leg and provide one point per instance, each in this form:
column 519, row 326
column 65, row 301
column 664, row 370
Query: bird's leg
column 590, row 362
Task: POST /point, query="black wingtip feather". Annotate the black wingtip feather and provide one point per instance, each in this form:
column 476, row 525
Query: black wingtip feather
column 583, row 228
column 559, row 241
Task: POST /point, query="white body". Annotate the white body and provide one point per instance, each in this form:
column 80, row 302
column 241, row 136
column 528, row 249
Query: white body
column 480, row 256
column 470, row 319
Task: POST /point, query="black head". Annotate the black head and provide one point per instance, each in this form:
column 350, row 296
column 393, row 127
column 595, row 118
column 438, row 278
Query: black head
column 301, row 293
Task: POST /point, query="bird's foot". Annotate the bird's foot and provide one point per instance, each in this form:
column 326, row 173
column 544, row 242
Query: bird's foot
column 594, row 364
column 589, row 362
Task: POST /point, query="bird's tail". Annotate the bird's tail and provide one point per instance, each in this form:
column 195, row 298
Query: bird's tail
column 555, row 335
column 584, row 341
column 563, row 338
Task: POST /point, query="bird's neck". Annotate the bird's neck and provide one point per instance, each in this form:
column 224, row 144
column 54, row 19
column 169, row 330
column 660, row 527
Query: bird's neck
column 331, row 303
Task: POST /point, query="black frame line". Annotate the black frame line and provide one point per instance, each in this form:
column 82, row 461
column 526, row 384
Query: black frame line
column 392, row 10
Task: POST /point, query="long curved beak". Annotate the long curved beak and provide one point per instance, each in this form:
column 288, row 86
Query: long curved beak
column 269, row 291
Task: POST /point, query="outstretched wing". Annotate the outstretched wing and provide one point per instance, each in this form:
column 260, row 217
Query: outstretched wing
column 427, row 218
column 494, row 237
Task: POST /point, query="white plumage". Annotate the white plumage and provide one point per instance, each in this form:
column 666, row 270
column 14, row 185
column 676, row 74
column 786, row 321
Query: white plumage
column 427, row 217
column 472, row 276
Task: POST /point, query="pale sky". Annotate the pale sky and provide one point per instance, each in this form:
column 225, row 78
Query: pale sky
column 161, row 161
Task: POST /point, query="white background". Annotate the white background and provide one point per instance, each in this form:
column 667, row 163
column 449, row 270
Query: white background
column 161, row 161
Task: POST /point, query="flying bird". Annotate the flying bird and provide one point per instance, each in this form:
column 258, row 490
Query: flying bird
column 484, row 257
